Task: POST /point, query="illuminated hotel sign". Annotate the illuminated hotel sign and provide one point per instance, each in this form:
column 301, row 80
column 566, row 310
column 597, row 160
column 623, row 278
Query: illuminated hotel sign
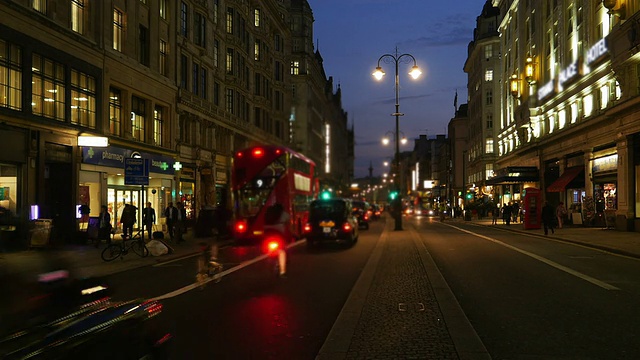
column 595, row 54
column 567, row 74
column 606, row 163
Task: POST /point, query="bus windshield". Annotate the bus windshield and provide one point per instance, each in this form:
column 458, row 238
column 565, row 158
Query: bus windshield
column 254, row 193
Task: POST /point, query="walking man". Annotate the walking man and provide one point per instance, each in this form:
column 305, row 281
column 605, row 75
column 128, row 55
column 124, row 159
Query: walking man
column 149, row 219
column 548, row 217
column 181, row 225
column 170, row 215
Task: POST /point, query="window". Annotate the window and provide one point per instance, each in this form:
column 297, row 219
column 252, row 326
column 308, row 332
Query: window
column 77, row 16
column 184, row 24
column 216, row 6
column 216, row 93
column 216, row 50
column 574, row 112
column 488, row 171
column 195, row 83
column 604, row 96
column 144, row 45
column 295, row 67
column 277, row 42
column 183, row 71
column 489, row 97
column 488, row 148
column 229, row 65
column 588, row 105
column 10, row 76
column 83, row 99
column 138, row 114
column 257, row 80
column 115, row 112
column 117, row 30
column 200, row 30
column 203, row 83
column 229, row 101
column 47, row 97
column 256, row 17
column 163, row 9
column 277, row 71
column 489, row 121
column 256, row 50
column 40, row 6
column 163, row 57
column 562, row 119
column 158, row 120
column 229, row 20
column 488, row 52
column 488, row 75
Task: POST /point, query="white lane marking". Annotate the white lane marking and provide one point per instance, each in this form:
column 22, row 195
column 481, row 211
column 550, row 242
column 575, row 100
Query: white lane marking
column 195, row 285
column 575, row 273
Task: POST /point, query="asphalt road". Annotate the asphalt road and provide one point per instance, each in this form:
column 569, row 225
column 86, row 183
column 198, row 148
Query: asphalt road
column 532, row 298
column 250, row 313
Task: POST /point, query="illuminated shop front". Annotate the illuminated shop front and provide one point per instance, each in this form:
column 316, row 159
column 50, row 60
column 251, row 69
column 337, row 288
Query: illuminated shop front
column 102, row 182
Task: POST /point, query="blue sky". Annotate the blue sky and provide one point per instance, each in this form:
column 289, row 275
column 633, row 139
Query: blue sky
column 352, row 35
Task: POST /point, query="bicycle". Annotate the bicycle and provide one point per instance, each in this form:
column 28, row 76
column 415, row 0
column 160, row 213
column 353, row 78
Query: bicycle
column 208, row 267
column 120, row 249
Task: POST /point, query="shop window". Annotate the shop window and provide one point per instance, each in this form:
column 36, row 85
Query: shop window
column 8, row 190
column 10, row 76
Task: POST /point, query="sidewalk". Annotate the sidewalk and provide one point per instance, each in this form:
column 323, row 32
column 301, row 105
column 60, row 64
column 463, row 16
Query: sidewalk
column 86, row 260
column 619, row 242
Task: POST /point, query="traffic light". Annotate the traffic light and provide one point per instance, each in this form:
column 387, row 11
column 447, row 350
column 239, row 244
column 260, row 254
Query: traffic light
column 469, row 195
column 325, row 195
column 393, row 195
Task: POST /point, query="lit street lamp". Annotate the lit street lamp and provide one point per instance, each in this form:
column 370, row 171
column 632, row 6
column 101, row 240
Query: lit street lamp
column 378, row 74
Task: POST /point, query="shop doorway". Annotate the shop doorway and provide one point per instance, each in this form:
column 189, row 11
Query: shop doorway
column 116, row 198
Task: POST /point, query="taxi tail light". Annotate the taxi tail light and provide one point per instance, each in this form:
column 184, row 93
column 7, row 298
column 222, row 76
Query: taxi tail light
column 307, row 228
column 346, row 227
column 241, row 226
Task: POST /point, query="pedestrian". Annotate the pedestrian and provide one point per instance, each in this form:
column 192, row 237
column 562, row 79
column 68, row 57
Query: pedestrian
column 277, row 219
column 506, row 213
column 128, row 219
column 170, row 216
column 149, row 219
column 104, row 227
column 181, row 222
column 548, row 218
column 495, row 213
column 515, row 210
column 561, row 212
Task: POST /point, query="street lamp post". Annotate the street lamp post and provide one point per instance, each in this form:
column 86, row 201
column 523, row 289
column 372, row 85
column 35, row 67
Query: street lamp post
column 415, row 72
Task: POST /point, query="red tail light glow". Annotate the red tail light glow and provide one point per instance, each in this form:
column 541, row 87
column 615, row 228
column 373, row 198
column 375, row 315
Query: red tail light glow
column 346, row 227
column 241, row 226
column 273, row 245
column 307, row 228
column 258, row 152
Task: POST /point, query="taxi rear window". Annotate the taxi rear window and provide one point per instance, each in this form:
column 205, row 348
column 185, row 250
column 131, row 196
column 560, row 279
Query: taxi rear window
column 327, row 208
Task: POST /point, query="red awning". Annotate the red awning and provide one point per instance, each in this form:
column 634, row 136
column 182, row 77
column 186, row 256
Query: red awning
column 567, row 176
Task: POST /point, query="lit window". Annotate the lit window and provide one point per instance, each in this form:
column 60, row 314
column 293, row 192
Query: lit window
column 115, row 111
column 48, row 84
column 158, row 120
column 77, row 16
column 229, row 66
column 138, row 115
column 604, row 96
column 488, row 171
column 562, row 119
column 163, row 9
column 83, row 99
column 10, row 76
column 488, row 75
column 295, row 67
column 229, row 21
column 117, row 30
column 40, row 6
column 552, row 124
column 256, row 50
column 488, row 149
column 588, row 105
column 256, row 17
column 618, row 91
column 163, row 57
column 574, row 112
column 488, row 52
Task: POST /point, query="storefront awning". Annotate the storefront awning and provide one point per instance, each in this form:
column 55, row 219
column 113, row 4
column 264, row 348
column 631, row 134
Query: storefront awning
column 567, row 176
column 514, row 175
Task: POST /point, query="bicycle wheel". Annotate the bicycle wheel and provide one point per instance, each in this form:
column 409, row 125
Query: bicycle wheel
column 140, row 248
column 111, row 252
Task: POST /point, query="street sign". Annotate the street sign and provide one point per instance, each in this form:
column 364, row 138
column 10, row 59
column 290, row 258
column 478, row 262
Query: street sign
column 136, row 171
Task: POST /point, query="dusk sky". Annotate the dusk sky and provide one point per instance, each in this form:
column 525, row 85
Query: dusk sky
column 352, row 35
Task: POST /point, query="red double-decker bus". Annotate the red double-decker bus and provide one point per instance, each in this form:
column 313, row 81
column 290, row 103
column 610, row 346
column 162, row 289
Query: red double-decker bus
column 263, row 176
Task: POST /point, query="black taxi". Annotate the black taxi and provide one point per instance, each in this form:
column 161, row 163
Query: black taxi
column 331, row 220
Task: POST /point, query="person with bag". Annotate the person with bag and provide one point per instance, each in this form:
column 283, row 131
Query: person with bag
column 104, row 227
column 170, row 216
column 149, row 219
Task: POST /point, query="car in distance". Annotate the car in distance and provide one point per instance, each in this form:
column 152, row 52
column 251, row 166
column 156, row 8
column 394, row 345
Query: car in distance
column 331, row 220
column 362, row 211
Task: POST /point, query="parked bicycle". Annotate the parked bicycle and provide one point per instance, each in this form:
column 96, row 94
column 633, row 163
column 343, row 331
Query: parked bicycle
column 208, row 266
column 121, row 248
